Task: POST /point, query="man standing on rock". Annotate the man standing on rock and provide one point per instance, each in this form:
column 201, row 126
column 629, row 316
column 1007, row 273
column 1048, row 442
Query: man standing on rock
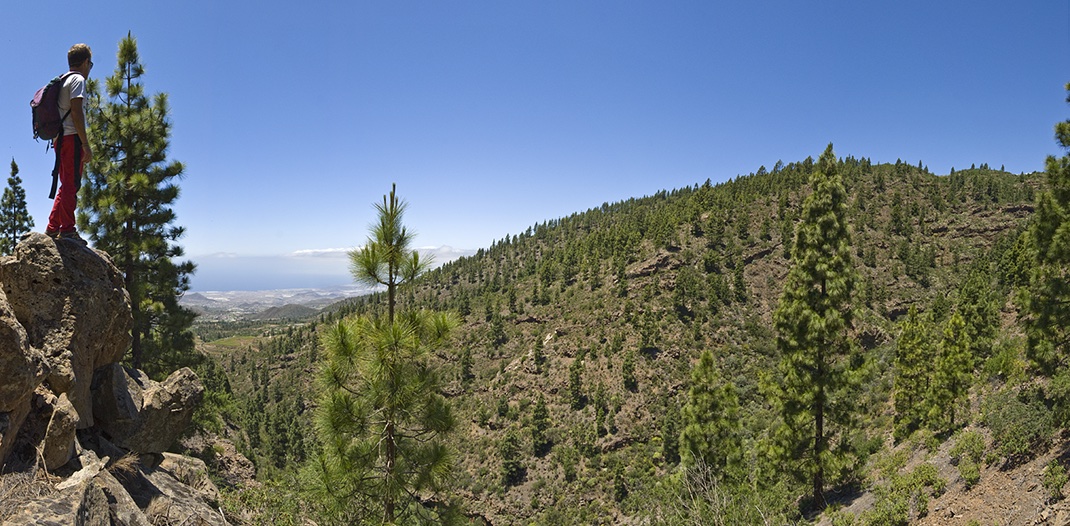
column 72, row 146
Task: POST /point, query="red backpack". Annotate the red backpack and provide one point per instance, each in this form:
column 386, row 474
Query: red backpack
column 47, row 122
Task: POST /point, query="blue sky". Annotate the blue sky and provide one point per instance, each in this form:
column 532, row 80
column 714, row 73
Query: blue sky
column 293, row 118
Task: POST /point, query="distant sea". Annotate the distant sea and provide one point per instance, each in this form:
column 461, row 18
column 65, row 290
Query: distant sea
column 267, row 273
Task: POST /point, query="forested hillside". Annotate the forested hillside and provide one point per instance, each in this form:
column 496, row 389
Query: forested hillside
column 576, row 368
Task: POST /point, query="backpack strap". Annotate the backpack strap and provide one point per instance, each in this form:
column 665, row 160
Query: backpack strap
column 56, row 145
column 77, row 165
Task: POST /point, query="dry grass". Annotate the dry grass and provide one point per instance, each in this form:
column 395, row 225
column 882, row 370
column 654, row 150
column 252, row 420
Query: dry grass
column 125, row 466
column 22, row 486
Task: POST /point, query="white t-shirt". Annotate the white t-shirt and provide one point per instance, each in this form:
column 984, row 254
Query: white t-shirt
column 73, row 88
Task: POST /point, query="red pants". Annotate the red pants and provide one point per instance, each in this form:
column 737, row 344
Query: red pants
column 70, row 172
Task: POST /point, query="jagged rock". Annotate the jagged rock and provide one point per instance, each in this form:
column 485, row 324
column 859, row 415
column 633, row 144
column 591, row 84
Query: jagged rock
column 166, row 500
column 122, row 505
column 192, row 472
column 21, row 371
column 94, row 510
column 140, row 414
column 168, row 410
column 236, row 469
column 71, row 302
column 91, row 466
column 232, row 468
column 72, row 505
column 117, row 399
column 64, row 324
column 10, row 424
column 58, row 446
column 20, row 368
column 91, row 497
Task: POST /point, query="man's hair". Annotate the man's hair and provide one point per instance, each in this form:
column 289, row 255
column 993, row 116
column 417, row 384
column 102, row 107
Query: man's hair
column 78, row 54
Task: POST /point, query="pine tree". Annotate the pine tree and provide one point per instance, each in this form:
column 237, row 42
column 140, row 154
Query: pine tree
column 382, row 417
column 812, row 321
column 15, row 219
column 576, row 398
column 712, row 428
column 913, row 364
column 540, row 424
column 387, row 258
column 951, row 375
column 670, row 436
column 979, row 307
column 126, row 209
column 513, row 470
column 631, row 383
column 1047, row 305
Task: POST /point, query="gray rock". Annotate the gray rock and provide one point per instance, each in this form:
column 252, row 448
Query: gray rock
column 192, row 472
column 122, row 505
column 21, row 369
column 75, row 311
column 177, row 502
column 62, row 508
column 168, row 409
column 58, row 446
column 94, row 510
column 92, row 498
column 91, row 466
column 117, row 400
column 142, row 415
column 10, row 423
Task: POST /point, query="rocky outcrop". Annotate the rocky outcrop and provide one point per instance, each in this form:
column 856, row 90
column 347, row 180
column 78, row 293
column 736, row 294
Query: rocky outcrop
column 72, row 305
column 140, row 414
column 69, row 409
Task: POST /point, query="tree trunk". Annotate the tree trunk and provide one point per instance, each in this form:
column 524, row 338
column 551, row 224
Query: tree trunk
column 819, row 430
column 391, row 457
column 819, row 446
column 130, row 278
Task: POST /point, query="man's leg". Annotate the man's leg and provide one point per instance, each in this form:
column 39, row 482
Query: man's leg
column 62, row 217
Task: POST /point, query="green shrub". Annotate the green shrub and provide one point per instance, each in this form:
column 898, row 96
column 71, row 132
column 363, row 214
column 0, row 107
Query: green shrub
column 968, row 444
column 841, row 518
column 1055, row 478
column 905, row 493
column 891, row 509
column 970, row 472
column 1004, row 364
column 926, row 475
column 967, row 452
column 1059, row 393
column 1021, row 424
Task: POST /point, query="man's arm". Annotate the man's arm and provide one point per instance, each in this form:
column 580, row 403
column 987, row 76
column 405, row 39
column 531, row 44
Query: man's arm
column 78, row 118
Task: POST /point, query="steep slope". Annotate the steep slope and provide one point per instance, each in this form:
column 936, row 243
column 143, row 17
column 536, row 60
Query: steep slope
column 563, row 311
column 600, row 316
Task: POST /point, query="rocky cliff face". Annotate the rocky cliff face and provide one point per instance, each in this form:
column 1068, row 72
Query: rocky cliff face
column 82, row 438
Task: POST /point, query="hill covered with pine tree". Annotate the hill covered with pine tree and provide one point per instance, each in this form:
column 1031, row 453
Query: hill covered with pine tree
column 576, row 369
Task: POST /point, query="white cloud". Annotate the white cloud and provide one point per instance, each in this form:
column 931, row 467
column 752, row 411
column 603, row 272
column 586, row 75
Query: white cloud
column 445, row 253
column 442, row 254
column 308, row 268
column 321, row 253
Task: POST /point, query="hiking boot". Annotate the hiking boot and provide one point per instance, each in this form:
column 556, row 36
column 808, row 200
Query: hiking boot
column 73, row 236
column 54, row 234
